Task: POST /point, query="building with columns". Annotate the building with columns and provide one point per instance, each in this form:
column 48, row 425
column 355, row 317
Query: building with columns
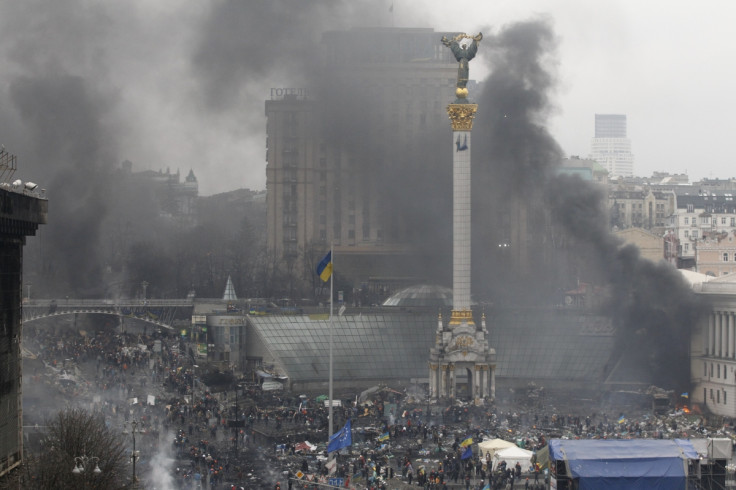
column 713, row 349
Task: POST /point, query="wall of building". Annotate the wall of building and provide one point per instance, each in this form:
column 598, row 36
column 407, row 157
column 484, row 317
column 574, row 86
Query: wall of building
column 650, row 246
column 226, row 334
column 20, row 215
column 713, row 351
column 320, row 194
column 716, row 256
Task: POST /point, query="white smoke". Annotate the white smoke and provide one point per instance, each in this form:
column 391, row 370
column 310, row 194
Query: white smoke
column 161, row 464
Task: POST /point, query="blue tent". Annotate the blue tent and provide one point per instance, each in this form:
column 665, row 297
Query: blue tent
column 634, row 464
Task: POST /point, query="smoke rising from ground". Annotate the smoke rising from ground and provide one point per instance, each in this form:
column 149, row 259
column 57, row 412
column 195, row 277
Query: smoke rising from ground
column 515, row 173
column 84, row 88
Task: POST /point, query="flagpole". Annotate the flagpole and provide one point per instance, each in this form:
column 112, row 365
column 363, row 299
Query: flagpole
column 332, row 296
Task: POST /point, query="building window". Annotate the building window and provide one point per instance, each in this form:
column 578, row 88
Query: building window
column 723, row 221
column 322, row 236
column 724, row 397
column 690, row 208
column 725, row 257
column 705, row 395
column 351, row 234
column 704, row 220
column 686, row 247
column 705, row 368
column 323, row 175
column 687, row 220
column 733, row 221
column 718, row 396
column 687, row 233
column 718, row 371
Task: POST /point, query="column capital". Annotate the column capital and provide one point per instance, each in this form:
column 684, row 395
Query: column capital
column 461, row 116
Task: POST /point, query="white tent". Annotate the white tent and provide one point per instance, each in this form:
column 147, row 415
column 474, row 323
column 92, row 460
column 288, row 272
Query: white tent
column 512, row 455
column 492, row 445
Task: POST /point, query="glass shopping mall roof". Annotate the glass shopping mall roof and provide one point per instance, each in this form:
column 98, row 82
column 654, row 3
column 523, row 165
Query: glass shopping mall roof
column 551, row 344
column 530, row 343
column 365, row 346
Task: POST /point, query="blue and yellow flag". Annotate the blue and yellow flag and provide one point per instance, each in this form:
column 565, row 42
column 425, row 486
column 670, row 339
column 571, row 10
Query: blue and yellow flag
column 324, row 268
column 383, row 437
column 467, row 442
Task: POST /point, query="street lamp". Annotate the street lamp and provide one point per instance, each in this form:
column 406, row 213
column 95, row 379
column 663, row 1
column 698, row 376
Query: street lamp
column 134, row 456
column 81, row 463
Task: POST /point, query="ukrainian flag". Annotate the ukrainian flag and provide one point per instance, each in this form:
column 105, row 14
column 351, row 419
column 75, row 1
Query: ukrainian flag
column 467, row 442
column 324, row 268
column 383, row 437
column 622, row 420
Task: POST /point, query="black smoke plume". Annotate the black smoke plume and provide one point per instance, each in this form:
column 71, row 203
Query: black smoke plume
column 69, row 115
column 565, row 219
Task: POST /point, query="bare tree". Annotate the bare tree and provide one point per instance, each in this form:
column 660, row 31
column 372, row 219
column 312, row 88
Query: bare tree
column 78, row 443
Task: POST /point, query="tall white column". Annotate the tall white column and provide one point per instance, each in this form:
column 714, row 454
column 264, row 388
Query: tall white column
column 461, row 221
column 461, row 116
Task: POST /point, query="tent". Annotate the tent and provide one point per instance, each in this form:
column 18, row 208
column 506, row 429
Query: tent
column 513, row 455
column 493, row 445
column 635, row 464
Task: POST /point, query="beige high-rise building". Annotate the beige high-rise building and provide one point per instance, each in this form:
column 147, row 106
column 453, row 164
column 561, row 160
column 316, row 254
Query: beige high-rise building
column 331, row 152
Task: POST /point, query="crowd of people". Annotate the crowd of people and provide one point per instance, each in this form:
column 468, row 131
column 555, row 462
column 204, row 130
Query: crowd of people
column 222, row 439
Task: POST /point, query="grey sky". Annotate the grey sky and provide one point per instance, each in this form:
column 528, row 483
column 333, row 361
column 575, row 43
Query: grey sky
column 667, row 65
